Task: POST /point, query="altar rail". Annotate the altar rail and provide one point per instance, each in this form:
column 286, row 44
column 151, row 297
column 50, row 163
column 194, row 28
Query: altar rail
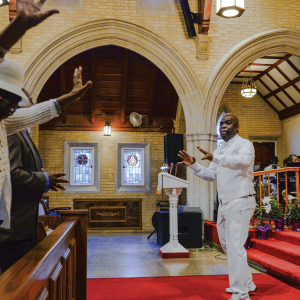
column 56, row 268
column 277, row 171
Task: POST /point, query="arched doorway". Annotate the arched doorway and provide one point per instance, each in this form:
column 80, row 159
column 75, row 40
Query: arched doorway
column 259, row 45
column 130, row 36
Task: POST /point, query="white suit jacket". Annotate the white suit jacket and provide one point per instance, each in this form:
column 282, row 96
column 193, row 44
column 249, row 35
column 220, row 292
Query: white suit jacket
column 232, row 167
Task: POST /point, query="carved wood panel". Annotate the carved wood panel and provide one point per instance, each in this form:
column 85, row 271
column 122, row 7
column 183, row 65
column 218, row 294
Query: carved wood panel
column 112, row 213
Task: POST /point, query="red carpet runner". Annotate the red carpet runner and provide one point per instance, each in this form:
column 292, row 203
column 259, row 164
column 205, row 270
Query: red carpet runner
column 184, row 288
column 279, row 255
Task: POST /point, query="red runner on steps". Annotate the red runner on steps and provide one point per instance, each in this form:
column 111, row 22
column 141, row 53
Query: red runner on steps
column 211, row 287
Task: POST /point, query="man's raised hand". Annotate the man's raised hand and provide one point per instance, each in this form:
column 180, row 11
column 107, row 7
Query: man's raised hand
column 186, row 158
column 208, row 156
column 28, row 15
column 31, row 14
column 77, row 92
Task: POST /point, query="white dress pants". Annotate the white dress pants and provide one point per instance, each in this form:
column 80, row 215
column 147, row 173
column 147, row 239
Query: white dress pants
column 233, row 227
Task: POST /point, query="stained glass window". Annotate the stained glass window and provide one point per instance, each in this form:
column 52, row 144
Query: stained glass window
column 82, row 161
column 133, row 166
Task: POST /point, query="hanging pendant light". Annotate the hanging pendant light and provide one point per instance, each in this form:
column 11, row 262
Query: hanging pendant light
column 230, row 8
column 248, row 86
column 107, row 129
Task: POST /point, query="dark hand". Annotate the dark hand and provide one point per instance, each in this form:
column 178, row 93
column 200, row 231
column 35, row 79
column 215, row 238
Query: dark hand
column 77, row 92
column 54, row 181
column 31, row 14
column 28, row 15
column 186, row 158
column 208, row 156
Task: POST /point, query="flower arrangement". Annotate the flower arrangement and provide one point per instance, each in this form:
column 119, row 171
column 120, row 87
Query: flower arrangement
column 277, row 212
column 294, row 208
column 261, row 226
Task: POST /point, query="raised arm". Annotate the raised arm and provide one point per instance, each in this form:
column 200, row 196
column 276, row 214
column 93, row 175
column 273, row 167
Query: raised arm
column 29, row 15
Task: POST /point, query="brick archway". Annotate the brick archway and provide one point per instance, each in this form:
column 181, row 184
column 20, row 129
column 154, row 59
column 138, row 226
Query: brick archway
column 126, row 35
column 265, row 43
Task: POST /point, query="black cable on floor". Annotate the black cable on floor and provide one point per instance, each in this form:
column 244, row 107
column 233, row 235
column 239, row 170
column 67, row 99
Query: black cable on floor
column 217, row 256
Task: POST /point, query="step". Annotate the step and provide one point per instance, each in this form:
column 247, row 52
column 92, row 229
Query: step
column 292, row 237
column 276, row 266
column 279, row 249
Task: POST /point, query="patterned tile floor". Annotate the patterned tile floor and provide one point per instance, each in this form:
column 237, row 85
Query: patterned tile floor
column 133, row 255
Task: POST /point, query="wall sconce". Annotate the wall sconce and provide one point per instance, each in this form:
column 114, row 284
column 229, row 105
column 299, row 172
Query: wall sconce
column 107, row 129
column 230, row 8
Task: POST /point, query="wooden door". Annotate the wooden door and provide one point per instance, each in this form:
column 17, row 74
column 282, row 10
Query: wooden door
column 263, row 153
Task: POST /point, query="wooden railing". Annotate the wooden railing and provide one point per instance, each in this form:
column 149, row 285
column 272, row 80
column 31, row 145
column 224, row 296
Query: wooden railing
column 56, row 268
column 277, row 171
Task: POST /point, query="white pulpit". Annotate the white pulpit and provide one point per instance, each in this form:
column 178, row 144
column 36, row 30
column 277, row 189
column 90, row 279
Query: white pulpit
column 172, row 186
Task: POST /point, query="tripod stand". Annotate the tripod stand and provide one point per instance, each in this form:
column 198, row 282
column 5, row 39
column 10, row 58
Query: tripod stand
column 154, row 223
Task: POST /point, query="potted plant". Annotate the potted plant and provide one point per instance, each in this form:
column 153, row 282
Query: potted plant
column 262, row 227
column 294, row 212
column 277, row 215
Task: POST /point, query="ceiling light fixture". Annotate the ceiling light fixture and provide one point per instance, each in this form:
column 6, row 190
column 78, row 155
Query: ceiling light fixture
column 248, row 86
column 107, row 129
column 230, row 8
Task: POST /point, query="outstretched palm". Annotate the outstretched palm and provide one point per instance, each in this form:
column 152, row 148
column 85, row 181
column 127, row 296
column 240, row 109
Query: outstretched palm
column 31, row 13
column 186, row 158
column 79, row 89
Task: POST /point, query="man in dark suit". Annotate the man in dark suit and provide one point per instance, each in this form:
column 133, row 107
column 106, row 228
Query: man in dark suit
column 29, row 182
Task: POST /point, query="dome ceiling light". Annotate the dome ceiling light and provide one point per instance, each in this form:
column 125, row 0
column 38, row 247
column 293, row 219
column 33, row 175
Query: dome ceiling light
column 248, row 86
column 230, row 8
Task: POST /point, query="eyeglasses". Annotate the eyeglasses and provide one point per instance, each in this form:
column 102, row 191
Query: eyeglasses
column 13, row 109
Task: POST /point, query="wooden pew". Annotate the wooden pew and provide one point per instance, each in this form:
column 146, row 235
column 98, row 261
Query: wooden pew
column 56, row 268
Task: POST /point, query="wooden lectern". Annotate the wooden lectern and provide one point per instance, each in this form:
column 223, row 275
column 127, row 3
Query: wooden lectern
column 172, row 186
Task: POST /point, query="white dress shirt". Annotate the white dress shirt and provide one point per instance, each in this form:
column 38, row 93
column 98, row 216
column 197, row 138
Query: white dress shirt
column 232, row 167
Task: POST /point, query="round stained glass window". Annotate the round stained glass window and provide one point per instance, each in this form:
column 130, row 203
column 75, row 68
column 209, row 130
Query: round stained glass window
column 132, row 160
column 82, row 159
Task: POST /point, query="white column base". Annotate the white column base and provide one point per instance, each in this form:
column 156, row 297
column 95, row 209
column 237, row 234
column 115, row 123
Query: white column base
column 169, row 251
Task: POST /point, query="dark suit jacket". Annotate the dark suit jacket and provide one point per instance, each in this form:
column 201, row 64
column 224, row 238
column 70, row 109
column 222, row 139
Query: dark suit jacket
column 28, row 184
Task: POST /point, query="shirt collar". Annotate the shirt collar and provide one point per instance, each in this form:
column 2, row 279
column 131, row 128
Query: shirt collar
column 229, row 142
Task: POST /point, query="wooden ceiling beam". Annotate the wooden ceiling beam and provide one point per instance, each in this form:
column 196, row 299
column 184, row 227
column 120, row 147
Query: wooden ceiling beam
column 288, row 79
column 267, row 101
column 205, row 13
column 263, row 65
column 273, row 66
column 93, row 67
column 62, row 81
column 289, row 112
column 293, row 66
column 124, row 86
column 153, row 94
column 272, row 93
column 12, row 9
column 266, row 96
column 271, row 57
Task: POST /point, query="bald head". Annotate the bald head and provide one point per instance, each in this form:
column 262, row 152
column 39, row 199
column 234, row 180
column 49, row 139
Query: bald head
column 229, row 126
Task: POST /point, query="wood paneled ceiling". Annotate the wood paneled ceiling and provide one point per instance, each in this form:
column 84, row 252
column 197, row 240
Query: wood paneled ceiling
column 123, row 82
column 277, row 78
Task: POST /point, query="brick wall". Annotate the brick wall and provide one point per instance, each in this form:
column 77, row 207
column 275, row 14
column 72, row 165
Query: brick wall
column 51, row 147
column 259, row 16
column 258, row 121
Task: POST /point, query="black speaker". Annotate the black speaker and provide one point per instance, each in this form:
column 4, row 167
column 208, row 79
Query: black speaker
column 189, row 229
column 188, row 18
column 173, row 143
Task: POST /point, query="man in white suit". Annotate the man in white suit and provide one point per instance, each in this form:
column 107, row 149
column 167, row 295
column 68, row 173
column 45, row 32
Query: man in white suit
column 232, row 166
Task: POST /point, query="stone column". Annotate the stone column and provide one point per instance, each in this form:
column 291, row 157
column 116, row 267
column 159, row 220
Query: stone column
column 200, row 193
